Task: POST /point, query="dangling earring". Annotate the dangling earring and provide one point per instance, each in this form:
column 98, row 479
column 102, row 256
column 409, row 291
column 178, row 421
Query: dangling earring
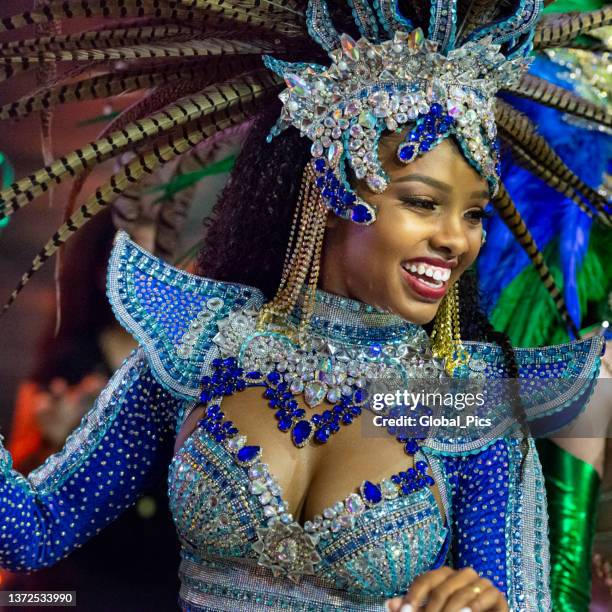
column 446, row 335
column 302, row 261
column 484, row 237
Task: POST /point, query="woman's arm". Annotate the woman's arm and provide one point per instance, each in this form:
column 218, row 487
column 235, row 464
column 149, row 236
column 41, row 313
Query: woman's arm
column 121, row 447
column 500, row 521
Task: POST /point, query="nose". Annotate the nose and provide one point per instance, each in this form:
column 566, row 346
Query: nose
column 450, row 237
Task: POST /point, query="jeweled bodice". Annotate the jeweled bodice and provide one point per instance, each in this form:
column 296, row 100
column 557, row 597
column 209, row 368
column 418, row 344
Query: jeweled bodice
column 221, row 510
column 371, row 544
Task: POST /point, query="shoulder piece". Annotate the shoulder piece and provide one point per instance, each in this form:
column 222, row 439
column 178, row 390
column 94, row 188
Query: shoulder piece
column 172, row 314
column 555, row 384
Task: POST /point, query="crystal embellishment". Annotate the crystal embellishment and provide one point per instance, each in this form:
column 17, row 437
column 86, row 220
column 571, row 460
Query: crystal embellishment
column 287, row 550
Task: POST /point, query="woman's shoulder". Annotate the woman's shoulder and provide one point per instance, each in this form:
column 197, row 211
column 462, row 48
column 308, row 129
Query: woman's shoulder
column 171, row 313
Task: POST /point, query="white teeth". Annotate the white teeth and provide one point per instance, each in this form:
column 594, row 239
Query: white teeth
column 437, row 274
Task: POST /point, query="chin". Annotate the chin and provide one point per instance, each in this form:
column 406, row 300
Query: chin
column 418, row 313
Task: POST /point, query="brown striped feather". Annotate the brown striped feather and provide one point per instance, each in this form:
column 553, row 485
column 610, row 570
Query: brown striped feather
column 521, row 132
column 194, row 48
column 211, row 99
column 132, row 173
column 549, row 94
column 217, row 69
column 96, row 39
column 560, row 29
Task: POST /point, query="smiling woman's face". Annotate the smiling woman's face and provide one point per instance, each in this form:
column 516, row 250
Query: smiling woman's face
column 429, row 222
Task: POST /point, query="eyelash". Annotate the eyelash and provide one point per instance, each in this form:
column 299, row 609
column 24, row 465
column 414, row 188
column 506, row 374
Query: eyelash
column 430, row 205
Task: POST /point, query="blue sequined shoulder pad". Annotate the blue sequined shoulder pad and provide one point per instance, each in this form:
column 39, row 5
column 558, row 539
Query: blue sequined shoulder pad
column 172, row 314
column 555, row 385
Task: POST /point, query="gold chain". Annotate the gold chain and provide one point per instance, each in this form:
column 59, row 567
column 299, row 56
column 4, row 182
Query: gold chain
column 301, row 267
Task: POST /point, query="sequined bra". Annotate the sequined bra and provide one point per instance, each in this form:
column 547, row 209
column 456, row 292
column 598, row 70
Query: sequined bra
column 220, row 510
column 353, row 558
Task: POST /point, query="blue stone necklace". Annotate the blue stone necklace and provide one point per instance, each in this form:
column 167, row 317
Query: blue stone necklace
column 229, row 378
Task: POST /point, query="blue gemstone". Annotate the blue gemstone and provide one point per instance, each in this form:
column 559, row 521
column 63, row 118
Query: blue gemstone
column 274, row 377
column 321, row 436
column 421, row 466
column 241, row 385
column 396, row 479
column 406, row 153
column 435, row 109
column 298, row 412
column 424, row 146
column 206, row 380
column 316, row 419
column 374, row 350
column 206, row 396
column 320, row 182
column 248, row 453
column 229, row 362
column 300, row 432
column 406, row 489
column 347, row 419
column 269, row 393
column 253, row 374
column 285, row 424
column 429, row 480
column 319, row 165
column 411, row 447
column 371, row 492
column 359, row 396
column 216, row 363
column 348, row 198
column 355, row 410
column 361, row 214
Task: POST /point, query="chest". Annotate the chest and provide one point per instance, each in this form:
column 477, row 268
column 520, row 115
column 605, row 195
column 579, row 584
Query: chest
column 316, row 476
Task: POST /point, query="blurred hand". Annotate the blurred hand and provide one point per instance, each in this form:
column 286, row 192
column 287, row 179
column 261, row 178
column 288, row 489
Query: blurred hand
column 60, row 408
column 450, row 590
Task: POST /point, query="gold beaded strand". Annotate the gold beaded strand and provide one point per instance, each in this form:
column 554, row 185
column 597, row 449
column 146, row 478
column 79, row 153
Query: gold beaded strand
column 301, row 266
column 446, row 335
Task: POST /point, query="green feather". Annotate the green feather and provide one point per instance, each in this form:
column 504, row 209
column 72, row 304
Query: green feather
column 526, row 312
column 567, row 6
column 184, row 181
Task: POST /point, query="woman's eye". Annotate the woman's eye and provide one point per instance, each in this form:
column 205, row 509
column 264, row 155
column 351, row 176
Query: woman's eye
column 479, row 215
column 420, row 203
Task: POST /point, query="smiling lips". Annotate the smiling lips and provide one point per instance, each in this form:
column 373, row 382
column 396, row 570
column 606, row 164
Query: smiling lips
column 427, row 280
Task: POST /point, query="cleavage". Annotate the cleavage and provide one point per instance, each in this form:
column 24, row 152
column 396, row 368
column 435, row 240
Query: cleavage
column 315, row 476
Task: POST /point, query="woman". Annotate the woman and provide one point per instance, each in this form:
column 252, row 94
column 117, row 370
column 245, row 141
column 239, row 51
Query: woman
column 382, row 211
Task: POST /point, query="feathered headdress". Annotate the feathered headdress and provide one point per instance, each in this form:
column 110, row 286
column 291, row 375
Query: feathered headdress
column 198, row 65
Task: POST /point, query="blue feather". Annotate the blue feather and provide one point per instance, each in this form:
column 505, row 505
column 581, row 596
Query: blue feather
column 548, row 214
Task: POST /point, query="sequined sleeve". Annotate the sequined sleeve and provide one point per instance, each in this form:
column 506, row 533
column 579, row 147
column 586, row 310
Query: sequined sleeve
column 120, row 448
column 500, row 523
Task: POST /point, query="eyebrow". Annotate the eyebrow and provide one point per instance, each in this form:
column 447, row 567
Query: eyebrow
column 436, row 184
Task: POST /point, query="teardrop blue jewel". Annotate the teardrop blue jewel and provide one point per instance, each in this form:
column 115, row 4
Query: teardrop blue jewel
column 248, row 454
column 301, row 432
column 371, row 492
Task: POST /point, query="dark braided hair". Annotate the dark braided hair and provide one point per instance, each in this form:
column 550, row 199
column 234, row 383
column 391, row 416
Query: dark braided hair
column 248, row 231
